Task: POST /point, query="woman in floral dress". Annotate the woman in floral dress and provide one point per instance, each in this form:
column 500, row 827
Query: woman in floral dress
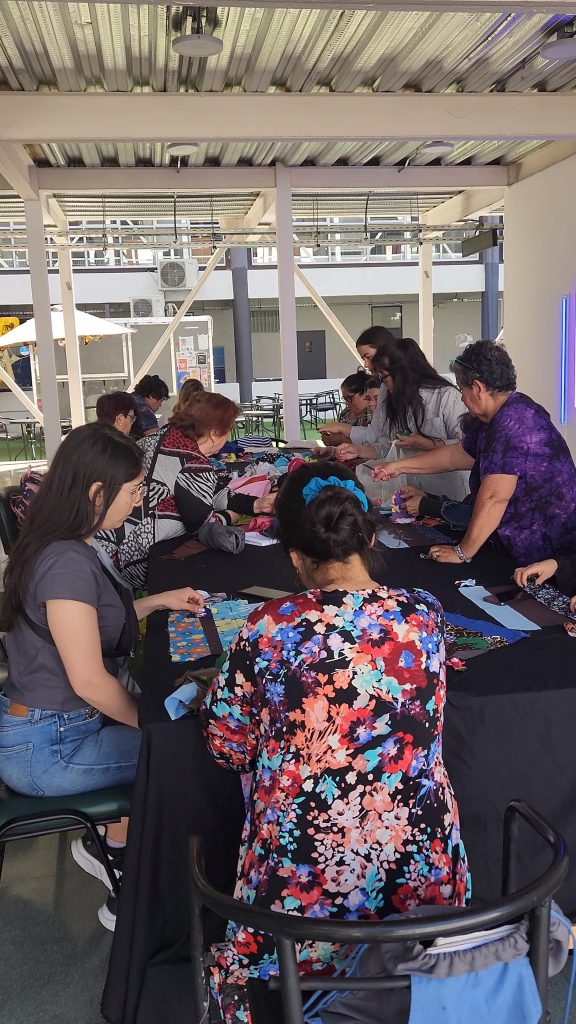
column 333, row 699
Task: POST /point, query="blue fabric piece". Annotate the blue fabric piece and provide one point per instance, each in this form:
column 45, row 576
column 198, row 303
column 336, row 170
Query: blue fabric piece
column 503, row 994
column 485, row 628
column 176, row 703
column 503, row 613
column 318, row 483
column 390, row 540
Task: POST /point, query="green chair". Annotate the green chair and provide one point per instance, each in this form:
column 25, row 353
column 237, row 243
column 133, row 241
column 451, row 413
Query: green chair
column 30, row 817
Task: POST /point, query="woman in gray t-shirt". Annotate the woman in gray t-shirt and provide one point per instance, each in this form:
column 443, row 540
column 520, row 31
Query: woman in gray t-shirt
column 67, row 725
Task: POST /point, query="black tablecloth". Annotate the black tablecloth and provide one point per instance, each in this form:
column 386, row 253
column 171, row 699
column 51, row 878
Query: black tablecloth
column 508, row 734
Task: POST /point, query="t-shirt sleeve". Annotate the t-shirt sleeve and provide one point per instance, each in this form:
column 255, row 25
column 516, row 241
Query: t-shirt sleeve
column 67, row 575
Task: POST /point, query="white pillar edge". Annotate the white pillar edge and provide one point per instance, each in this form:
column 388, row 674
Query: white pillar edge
column 43, row 323
column 287, row 303
column 426, row 302
column 73, row 364
column 165, row 337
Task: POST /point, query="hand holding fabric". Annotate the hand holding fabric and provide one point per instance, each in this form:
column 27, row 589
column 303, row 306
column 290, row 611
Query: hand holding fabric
column 541, row 570
column 417, row 442
column 184, row 600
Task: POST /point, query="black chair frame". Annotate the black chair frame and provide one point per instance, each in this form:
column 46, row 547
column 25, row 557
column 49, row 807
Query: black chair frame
column 50, row 823
column 533, row 900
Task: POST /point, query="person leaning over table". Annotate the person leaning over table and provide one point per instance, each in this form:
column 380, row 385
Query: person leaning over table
column 422, row 411
column 190, row 388
column 333, row 699
column 117, row 408
column 182, row 489
column 522, row 479
column 360, row 395
column 367, row 346
column 67, row 725
column 149, row 394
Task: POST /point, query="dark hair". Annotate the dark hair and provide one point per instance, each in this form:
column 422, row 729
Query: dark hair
column 152, row 386
column 63, row 509
column 406, row 363
column 359, row 382
column 190, row 388
column 487, row 362
column 333, row 526
column 117, row 403
column 206, row 412
column 374, row 337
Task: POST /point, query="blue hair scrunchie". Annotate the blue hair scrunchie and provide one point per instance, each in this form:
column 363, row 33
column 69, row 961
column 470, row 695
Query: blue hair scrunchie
column 317, row 483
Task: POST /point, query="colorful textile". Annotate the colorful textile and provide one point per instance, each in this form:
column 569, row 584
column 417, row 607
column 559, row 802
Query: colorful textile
column 521, row 440
column 465, row 638
column 186, row 636
column 503, row 613
column 334, row 701
column 362, row 419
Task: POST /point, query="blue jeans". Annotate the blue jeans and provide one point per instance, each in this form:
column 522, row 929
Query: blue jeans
column 60, row 753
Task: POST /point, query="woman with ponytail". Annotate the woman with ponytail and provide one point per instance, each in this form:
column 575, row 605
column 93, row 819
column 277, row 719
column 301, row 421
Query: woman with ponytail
column 333, row 699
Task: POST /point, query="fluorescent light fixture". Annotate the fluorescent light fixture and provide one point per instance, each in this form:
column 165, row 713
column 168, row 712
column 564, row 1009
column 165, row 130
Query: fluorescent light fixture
column 563, row 355
column 437, row 148
column 182, row 148
column 197, row 45
column 562, row 49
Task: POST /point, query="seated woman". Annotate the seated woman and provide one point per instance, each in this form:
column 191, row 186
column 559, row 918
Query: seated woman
column 67, row 725
column 333, row 699
column 421, row 412
column 189, row 390
column 523, row 479
column 367, row 346
column 182, row 485
column 117, row 408
column 360, row 395
column 149, row 394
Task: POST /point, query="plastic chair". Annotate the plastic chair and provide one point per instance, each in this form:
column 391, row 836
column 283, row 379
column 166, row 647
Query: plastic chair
column 8, row 521
column 30, row 817
column 289, row 929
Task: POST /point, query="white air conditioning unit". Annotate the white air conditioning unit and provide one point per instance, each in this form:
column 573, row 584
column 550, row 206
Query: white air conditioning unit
column 177, row 275
column 146, row 308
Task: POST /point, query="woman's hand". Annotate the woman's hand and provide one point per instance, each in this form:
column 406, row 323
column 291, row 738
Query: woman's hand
column 541, row 570
column 387, row 470
column 346, row 452
column 411, row 499
column 444, row 553
column 418, row 443
column 265, row 506
column 185, row 600
column 336, row 428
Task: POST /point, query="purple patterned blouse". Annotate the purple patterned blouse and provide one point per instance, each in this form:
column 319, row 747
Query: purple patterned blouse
column 521, row 440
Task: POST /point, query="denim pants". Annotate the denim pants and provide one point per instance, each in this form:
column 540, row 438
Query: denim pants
column 60, row 753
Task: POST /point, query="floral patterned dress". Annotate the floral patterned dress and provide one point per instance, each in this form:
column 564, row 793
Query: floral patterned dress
column 334, row 702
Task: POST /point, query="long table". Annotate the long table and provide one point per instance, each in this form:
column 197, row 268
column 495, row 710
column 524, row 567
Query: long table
column 508, row 734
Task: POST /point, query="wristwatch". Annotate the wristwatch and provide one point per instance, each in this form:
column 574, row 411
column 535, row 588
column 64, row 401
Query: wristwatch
column 461, row 555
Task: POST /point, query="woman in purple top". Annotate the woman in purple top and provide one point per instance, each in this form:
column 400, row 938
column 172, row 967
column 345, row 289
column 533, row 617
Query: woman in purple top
column 522, row 477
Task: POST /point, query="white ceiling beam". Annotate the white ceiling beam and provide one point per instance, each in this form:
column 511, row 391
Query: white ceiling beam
column 275, row 117
column 541, row 160
column 21, row 174
column 107, row 180
column 450, row 6
column 470, row 204
column 261, row 215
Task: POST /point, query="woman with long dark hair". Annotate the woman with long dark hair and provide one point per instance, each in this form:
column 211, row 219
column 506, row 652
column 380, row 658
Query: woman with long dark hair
column 421, row 411
column 67, row 725
column 367, row 345
column 333, row 700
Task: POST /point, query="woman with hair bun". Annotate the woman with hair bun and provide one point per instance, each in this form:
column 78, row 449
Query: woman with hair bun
column 333, row 699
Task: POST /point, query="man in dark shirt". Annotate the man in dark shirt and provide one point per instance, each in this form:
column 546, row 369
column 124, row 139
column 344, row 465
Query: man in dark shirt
column 149, row 394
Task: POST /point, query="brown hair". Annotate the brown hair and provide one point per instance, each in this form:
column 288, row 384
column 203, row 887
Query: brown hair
column 205, row 413
column 189, row 390
column 115, row 403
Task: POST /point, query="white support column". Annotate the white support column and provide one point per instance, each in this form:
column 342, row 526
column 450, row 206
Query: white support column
column 287, row 303
column 43, row 322
column 74, row 367
column 164, row 338
column 426, row 302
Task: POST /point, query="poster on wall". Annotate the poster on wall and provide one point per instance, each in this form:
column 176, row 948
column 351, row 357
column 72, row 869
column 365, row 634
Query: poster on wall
column 193, row 352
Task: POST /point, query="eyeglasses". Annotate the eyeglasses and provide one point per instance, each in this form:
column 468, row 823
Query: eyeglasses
column 383, row 375
column 140, row 490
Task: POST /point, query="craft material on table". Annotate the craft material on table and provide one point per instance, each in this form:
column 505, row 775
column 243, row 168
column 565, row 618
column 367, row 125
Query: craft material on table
column 503, row 613
column 408, row 533
column 466, row 638
column 187, row 639
column 552, row 598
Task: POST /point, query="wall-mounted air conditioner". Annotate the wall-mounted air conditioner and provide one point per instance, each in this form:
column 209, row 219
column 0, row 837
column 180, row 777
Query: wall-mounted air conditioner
column 177, row 275
column 146, row 308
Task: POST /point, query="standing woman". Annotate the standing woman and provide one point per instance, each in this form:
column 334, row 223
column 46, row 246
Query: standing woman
column 421, row 412
column 367, row 346
column 333, row 699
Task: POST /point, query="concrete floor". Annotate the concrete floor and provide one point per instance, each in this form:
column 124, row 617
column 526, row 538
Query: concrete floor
column 54, row 952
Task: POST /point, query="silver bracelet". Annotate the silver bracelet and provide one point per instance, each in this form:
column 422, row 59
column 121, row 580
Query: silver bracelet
column 461, row 554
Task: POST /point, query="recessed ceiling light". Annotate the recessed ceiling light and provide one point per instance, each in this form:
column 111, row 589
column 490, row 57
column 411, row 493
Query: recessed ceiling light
column 561, row 49
column 197, row 44
column 436, row 148
column 182, row 148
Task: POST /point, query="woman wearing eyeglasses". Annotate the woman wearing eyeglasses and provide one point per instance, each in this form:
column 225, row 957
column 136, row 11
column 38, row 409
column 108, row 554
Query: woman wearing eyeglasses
column 421, row 412
column 522, row 478
column 67, row 725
